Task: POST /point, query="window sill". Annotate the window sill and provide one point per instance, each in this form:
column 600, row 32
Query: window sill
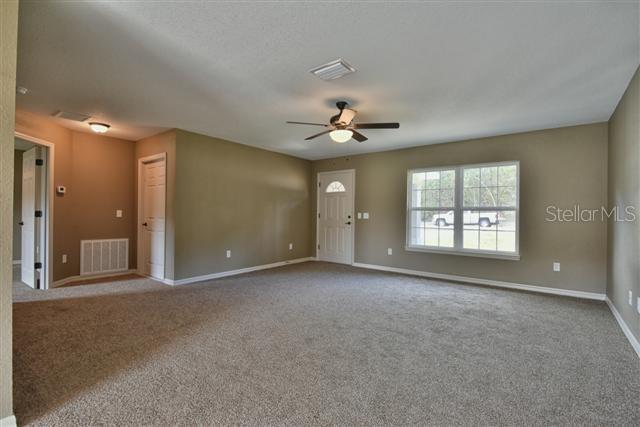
column 477, row 254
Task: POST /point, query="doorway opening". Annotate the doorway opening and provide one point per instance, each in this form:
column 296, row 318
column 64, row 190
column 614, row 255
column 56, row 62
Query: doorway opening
column 335, row 219
column 33, row 211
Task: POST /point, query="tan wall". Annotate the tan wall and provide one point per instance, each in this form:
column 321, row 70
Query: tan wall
column 624, row 185
column 98, row 172
column 164, row 143
column 231, row 196
column 559, row 167
column 8, row 48
column 17, row 204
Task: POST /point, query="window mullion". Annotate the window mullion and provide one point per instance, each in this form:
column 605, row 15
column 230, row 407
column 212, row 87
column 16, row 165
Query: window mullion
column 457, row 211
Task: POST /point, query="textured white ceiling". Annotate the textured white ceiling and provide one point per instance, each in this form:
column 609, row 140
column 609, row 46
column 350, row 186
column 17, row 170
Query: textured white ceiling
column 445, row 71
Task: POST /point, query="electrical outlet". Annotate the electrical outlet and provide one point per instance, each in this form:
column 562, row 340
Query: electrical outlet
column 64, row 258
column 228, row 253
column 389, row 251
column 290, row 246
column 359, row 215
column 119, row 213
column 365, row 215
column 631, row 298
column 556, row 266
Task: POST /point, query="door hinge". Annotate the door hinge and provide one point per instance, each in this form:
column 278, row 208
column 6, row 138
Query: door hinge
column 318, row 215
column 319, row 184
column 38, row 214
column 318, row 246
column 37, row 265
column 39, row 162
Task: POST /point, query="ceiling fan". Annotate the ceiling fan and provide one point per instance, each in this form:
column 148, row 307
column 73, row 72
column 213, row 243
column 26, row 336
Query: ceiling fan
column 341, row 127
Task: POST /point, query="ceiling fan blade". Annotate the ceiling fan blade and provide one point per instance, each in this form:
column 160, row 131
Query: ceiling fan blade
column 307, row 123
column 318, row 134
column 358, row 136
column 346, row 116
column 376, row 125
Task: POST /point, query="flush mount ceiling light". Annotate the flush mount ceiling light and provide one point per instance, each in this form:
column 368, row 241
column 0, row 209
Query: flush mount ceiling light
column 341, row 135
column 99, row 127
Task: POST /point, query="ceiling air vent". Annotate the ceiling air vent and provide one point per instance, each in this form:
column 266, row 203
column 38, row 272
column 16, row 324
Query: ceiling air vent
column 76, row 117
column 333, row 70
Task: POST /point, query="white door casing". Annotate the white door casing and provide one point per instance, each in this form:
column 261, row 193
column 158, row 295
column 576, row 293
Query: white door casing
column 151, row 215
column 28, row 229
column 335, row 216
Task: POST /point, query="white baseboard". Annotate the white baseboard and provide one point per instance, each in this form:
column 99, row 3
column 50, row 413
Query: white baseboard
column 91, row 276
column 8, row 421
column 486, row 282
column 16, row 262
column 625, row 328
column 234, row 272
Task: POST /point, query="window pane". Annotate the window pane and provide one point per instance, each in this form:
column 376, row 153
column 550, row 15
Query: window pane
column 471, row 177
column 507, row 221
column 431, row 228
column 418, row 180
column 488, row 240
column 489, row 176
column 471, row 197
column 431, row 198
column 447, row 179
column 508, row 175
column 489, row 197
column 507, row 241
column 433, row 180
column 506, row 196
column 335, row 187
column 447, row 198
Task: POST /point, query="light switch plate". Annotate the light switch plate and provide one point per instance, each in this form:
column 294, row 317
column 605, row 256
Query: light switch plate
column 365, row 215
column 64, row 258
column 389, row 251
column 290, row 246
column 228, row 253
column 556, row 266
column 359, row 215
column 638, row 305
column 631, row 298
column 119, row 213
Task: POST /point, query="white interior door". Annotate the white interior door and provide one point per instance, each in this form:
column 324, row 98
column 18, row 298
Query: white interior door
column 335, row 216
column 153, row 194
column 27, row 273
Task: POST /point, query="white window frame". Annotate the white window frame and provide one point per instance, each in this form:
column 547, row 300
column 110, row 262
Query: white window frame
column 458, row 210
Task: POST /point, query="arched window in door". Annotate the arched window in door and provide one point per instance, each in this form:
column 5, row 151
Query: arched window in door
column 335, row 187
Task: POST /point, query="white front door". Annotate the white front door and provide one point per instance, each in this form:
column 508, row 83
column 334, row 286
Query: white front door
column 153, row 194
column 28, row 229
column 335, row 216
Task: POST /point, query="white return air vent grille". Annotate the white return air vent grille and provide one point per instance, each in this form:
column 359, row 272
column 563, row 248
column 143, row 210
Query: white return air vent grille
column 333, row 70
column 104, row 256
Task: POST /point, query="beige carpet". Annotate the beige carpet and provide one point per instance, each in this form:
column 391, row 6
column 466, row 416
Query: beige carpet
column 318, row 344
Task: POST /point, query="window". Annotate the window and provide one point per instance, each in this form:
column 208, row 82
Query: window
column 335, row 187
column 468, row 210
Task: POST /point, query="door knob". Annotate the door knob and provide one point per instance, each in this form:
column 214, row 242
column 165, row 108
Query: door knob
column 21, row 223
column 145, row 224
column 348, row 223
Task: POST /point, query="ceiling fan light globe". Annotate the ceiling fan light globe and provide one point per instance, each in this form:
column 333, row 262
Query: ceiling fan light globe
column 341, row 135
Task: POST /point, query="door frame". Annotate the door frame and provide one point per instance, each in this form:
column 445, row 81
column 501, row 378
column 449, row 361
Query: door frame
column 141, row 161
column 352, row 172
column 47, row 267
